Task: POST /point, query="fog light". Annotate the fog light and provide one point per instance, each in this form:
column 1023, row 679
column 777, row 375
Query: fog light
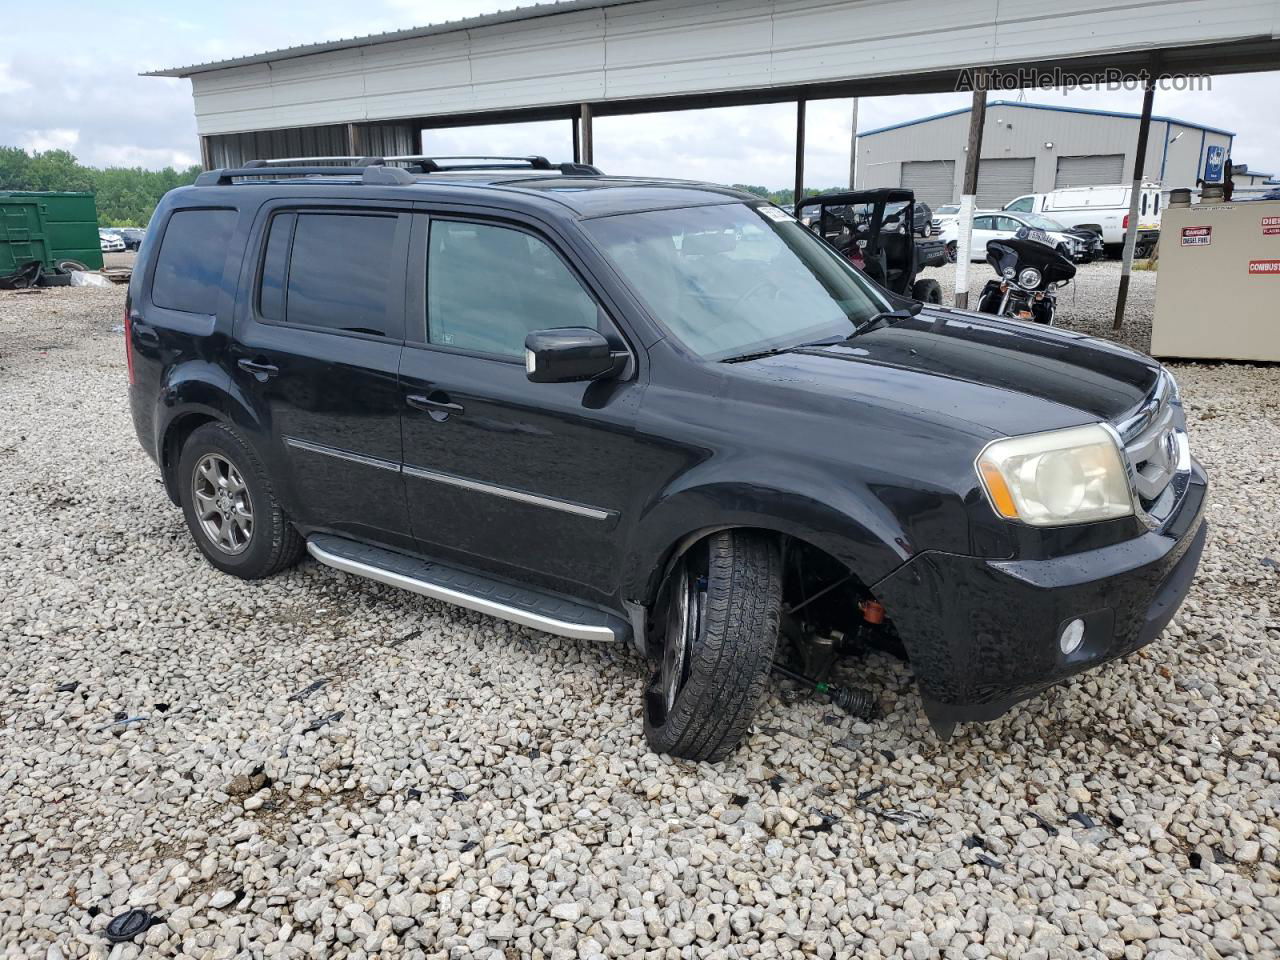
column 1072, row 636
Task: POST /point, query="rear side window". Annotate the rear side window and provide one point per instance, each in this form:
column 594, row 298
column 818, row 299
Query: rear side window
column 489, row 286
column 189, row 265
column 275, row 267
column 342, row 272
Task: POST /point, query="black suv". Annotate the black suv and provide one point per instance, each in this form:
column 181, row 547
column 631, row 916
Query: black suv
column 658, row 412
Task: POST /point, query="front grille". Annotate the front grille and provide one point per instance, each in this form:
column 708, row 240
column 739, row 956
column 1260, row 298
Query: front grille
column 1154, row 443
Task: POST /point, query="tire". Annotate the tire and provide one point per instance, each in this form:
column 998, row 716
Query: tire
column 927, row 291
column 268, row 542
column 989, row 299
column 951, row 252
column 67, row 266
column 726, row 665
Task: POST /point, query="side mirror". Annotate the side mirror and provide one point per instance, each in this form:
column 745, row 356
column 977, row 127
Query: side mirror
column 569, row 354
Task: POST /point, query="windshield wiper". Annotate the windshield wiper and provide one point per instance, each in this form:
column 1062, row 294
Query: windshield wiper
column 774, row 351
column 886, row 317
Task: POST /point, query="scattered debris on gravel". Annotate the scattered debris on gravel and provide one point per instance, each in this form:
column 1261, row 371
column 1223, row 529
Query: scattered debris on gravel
column 321, row 766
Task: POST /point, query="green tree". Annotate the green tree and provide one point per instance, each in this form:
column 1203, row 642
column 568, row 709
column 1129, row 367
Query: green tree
column 125, row 196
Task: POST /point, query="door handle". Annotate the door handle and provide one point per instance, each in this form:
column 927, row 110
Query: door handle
column 258, row 368
column 438, row 409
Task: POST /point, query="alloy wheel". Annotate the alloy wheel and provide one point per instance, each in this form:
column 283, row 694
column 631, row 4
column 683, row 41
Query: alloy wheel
column 686, row 617
column 222, row 504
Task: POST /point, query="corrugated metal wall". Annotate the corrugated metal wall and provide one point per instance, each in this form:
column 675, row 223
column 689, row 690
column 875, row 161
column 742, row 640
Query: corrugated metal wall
column 1043, row 135
column 380, row 140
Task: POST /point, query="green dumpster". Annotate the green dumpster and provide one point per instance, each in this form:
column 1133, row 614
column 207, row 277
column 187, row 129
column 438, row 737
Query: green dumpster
column 47, row 227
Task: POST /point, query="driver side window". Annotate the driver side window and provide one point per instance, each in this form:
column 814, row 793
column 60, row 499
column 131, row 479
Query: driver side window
column 1021, row 205
column 489, row 286
column 982, row 223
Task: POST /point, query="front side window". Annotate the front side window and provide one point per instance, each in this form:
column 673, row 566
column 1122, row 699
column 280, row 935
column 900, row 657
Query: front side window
column 1022, row 205
column 488, row 287
column 192, row 254
column 983, row 223
column 731, row 279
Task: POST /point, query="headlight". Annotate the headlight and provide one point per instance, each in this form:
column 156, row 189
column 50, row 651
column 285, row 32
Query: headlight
column 1067, row 476
column 1029, row 277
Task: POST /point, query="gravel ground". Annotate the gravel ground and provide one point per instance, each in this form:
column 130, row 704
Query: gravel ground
column 319, row 766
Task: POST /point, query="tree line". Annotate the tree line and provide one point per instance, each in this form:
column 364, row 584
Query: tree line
column 125, row 196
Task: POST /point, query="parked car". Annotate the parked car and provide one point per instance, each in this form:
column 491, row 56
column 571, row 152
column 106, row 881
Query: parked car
column 1102, row 209
column 942, row 215
column 657, row 412
column 110, row 241
column 921, row 219
column 132, row 237
column 995, row 225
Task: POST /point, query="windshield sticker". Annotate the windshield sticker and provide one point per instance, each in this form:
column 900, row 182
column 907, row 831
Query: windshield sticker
column 774, row 214
column 1197, row 236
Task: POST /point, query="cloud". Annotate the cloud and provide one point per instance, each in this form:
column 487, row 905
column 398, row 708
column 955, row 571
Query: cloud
column 10, row 84
column 55, row 139
column 82, row 77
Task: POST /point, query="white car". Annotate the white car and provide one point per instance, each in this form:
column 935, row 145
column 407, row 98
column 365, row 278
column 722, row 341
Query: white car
column 110, row 242
column 1002, row 225
column 947, row 213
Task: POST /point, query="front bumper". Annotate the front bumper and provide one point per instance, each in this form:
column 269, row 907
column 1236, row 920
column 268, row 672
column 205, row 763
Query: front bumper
column 983, row 635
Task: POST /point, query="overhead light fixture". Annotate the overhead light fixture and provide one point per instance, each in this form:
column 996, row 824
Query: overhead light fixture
column 1048, row 144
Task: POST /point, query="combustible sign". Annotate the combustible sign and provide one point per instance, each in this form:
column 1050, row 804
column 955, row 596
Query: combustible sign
column 1271, row 226
column 1267, row 267
column 1197, row 236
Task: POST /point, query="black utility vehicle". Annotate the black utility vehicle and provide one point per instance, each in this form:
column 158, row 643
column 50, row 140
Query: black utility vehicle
column 657, row 412
column 882, row 232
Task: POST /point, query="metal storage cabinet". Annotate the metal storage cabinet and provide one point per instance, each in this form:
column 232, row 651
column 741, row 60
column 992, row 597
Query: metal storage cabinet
column 48, row 227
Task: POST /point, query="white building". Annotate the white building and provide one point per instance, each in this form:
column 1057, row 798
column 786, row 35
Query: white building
column 1034, row 148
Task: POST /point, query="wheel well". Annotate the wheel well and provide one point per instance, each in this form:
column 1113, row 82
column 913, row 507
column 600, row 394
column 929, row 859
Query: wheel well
column 819, row 592
column 175, row 438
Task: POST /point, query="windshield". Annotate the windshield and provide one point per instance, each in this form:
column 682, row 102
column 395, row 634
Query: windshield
column 1044, row 223
column 949, row 208
column 730, row 280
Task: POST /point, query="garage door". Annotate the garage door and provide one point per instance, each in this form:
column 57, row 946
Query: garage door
column 1088, row 171
column 934, row 181
column 999, row 181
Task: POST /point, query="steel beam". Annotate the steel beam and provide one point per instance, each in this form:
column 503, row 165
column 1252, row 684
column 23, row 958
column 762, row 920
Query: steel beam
column 584, row 133
column 798, row 195
column 1135, row 193
column 968, row 194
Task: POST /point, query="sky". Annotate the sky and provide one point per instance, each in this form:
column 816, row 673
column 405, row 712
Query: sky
column 71, row 82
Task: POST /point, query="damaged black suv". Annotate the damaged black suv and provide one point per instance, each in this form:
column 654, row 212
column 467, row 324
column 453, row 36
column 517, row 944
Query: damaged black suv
column 656, row 412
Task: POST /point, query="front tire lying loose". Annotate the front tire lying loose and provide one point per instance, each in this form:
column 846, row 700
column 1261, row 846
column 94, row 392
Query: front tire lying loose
column 724, row 603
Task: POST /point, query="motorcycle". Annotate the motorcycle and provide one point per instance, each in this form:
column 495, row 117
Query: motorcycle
column 1029, row 272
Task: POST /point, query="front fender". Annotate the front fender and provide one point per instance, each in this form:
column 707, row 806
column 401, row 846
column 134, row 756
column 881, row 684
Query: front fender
column 857, row 531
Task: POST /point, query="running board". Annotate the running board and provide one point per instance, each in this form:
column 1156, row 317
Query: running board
column 531, row 608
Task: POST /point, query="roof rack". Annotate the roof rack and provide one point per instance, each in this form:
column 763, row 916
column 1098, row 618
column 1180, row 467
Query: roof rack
column 378, row 170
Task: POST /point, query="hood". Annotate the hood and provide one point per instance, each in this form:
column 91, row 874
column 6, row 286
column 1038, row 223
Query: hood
column 1004, row 376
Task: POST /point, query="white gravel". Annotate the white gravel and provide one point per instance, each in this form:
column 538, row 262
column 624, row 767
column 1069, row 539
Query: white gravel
column 481, row 790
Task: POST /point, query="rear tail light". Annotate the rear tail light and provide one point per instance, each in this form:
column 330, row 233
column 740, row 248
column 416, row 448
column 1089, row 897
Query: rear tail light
column 1126, row 222
column 128, row 338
